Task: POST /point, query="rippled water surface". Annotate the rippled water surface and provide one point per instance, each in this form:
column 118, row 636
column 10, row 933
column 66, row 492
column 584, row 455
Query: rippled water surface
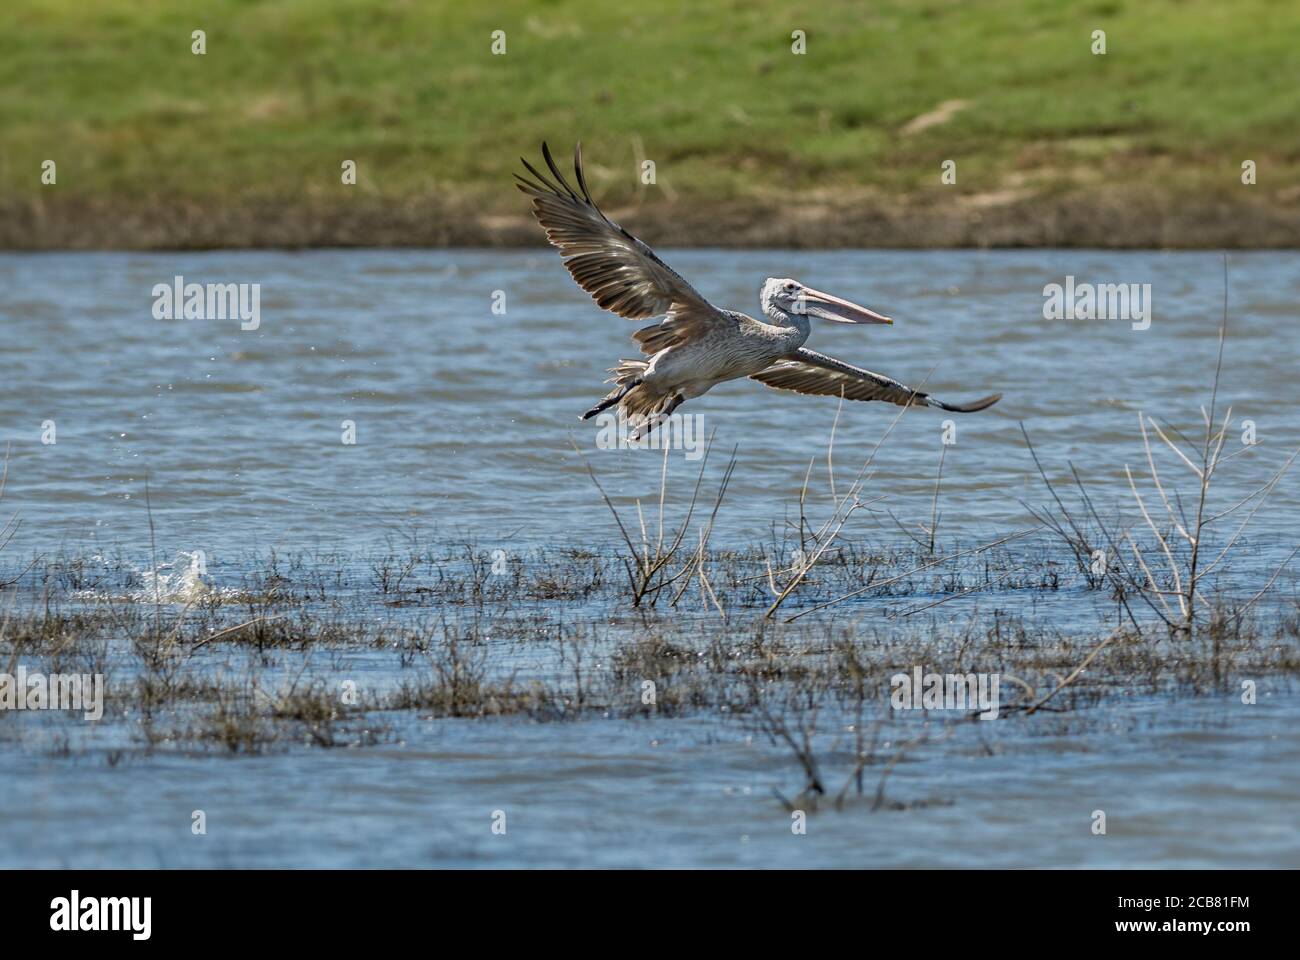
column 465, row 424
column 464, row 417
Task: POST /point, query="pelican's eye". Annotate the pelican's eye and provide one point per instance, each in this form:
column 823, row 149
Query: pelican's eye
column 791, row 287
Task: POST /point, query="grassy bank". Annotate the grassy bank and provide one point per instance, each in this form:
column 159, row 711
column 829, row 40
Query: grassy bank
column 156, row 146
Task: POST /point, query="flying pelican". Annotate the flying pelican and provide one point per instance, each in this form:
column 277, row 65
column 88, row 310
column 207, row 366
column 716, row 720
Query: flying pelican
column 698, row 345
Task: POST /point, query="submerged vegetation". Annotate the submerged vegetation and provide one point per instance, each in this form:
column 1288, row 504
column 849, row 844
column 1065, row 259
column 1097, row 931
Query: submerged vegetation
column 800, row 638
column 328, row 652
column 332, row 651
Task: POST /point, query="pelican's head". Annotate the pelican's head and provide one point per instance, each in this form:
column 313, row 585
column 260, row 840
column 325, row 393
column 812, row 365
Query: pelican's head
column 782, row 297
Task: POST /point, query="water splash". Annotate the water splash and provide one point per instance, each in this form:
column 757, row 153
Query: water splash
column 182, row 581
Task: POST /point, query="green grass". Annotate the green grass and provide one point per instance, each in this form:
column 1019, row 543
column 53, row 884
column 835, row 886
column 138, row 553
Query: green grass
column 289, row 89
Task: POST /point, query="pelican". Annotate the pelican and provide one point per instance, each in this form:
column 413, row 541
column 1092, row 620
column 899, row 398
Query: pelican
column 698, row 345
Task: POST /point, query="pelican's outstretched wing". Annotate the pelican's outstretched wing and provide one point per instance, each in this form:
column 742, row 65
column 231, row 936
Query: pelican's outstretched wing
column 816, row 373
column 620, row 272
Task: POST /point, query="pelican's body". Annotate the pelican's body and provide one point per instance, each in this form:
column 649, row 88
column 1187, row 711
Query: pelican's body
column 698, row 345
column 734, row 346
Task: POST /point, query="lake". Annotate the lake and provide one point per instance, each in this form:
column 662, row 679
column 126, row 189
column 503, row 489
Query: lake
column 391, row 395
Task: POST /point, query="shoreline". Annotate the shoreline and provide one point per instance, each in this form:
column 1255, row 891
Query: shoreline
column 1128, row 219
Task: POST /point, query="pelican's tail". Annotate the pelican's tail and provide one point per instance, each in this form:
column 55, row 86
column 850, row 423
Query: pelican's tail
column 637, row 403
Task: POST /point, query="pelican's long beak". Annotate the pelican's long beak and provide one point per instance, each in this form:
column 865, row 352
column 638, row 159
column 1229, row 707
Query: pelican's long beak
column 828, row 307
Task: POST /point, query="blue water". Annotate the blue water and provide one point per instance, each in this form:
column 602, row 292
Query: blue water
column 465, row 419
column 465, row 422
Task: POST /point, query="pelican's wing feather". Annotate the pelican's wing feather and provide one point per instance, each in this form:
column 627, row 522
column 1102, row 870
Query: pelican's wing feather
column 815, row 373
column 620, row 272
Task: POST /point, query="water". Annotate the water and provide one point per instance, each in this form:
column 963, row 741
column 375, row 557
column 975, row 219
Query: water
column 465, row 422
column 677, row 794
column 464, row 418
